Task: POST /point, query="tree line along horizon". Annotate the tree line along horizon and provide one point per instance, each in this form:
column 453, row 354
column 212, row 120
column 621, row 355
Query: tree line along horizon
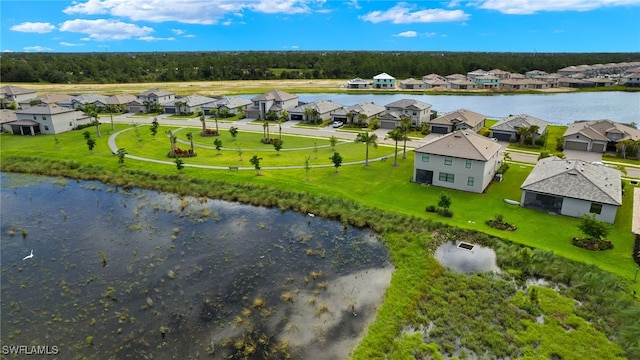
column 132, row 67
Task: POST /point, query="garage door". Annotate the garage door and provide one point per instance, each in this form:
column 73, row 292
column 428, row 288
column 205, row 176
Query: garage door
column 501, row 136
column 169, row 110
column 575, row 145
column 597, row 148
column 296, row 117
column 439, row 129
column 387, row 124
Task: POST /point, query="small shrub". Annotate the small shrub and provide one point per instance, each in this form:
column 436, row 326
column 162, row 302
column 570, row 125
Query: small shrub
column 503, row 168
column 209, row 132
column 431, row 208
column 592, row 244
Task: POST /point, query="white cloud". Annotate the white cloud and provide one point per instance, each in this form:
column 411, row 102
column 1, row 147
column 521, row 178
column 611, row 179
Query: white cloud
column 188, row 11
column 407, row 34
column 64, row 43
column 429, row 34
column 36, row 48
column 178, row 31
column 522, row 7
column 34, row 27
column 103, row 29
column 403, row 13
column 189, row 36
column 354, row 4
column 153, row 38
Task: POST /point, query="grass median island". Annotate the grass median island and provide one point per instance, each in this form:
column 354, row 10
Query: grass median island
column 382, row 198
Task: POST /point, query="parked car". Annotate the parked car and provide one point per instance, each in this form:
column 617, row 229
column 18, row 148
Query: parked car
column 337, row 124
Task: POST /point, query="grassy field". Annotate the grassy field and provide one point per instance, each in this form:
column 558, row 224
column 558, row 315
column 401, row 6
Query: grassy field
column 380, row 196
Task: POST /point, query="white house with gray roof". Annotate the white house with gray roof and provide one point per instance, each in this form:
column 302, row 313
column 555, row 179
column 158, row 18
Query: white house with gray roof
column 47, row 119
column 507, row 128
column 316, row 111
column 231, row 104
column 461, row 160
column 16, row 94
column 188, row 104
column 573, row 188
column 457, row 120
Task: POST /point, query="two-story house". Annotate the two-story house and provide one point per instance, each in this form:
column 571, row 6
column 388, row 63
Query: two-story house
column 47, row 119
column 418, row 111
column 460, row 160
column 16, row 95
column 272, row 101
column 384, row 81
column 149, row 100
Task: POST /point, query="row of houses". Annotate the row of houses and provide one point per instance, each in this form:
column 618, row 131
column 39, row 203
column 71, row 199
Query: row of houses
column 467, row 161
column 628, row 74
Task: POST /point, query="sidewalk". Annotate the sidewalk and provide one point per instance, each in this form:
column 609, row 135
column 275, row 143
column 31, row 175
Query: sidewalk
column 635, row 220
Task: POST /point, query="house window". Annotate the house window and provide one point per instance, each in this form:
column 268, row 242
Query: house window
column 46, row 128
column 470, row 181
column 595, row 208
column 425, row 157
column 34, row 117
column 44, row 118
column 448, row 160
column 468, row 164
column 446, row 177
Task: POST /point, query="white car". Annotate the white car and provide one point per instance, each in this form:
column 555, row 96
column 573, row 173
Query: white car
column 337, row 124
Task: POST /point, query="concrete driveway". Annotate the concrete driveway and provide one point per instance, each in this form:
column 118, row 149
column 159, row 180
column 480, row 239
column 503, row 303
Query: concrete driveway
column 582, row 155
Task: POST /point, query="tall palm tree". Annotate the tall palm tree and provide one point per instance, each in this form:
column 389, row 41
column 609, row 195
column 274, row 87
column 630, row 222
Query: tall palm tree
column 111, row 108
column 190, row 137
column 92, row 111
column 204, row 123
column 172, row 141
column 362, row 118
column 522, row 133
column 308, row 112
column 368, row 139
column 284, row 116
column 405, row 127
column 396, row 135
column 350, row 117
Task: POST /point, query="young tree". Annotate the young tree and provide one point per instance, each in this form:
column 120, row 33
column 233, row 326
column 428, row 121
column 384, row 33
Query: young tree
column 336, row 159
column 87, row 135
column 594, row 228
column 368, row 139
column 444, row 201
column 396, row 135
column 533, row 131
column 91, row 143
column 307, row 166
column 57, row 141
column 405, row 127
column 522, row 133
column 284, row 116
column 234, row 132
column 154, row 127
column 255, row 161
column 122, row 152
column 179, row 165
column 333, row 141
column 277, row 145
column 239, row 151
column 111, row 108
column 315, row 149
column 362, row 119
column 218, row 145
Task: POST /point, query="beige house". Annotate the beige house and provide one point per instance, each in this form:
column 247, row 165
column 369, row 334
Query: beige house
column 362, row 112
column 231, row 104
column 461, row 160
column 507, row 128
column 272, row 101
column 573, row 188
column 16, row 94
column 457, row 120
column 412, row 84
column 316, row 111
column 598, row 136
column 358, row 83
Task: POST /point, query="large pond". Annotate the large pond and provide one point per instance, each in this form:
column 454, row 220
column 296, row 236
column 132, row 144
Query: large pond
column 129, row 273
column 562, row 108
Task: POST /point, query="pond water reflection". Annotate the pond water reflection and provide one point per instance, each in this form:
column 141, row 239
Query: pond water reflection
column 480, row 259
column 134, row 273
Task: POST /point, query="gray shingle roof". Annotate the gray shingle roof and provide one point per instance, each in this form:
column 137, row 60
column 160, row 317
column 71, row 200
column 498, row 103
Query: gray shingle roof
column 471, row 118
column 322, row 106
column 464, row 144
column 45, row 109
column 514, row 122
column 369, row 109
column 598, row 129
column 277, row 95
column 575, row 179
column 407, row 103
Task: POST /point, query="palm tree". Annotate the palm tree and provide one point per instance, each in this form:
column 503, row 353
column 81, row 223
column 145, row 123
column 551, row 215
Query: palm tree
column 190, row 137
column 204, row 124
column 284, row 116
column 522, row 133
column 216, row 112
column 350, row 117
column 362, row 118
column 368, row 139
column 172, row 141
column 405, row 126
column 396, row 135
column 179, row 105
column 533, row 131
column 111, row 108
column 308, row 112
column 92, row 111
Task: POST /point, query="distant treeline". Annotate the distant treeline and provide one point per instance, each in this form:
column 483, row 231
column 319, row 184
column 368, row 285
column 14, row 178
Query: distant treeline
column 193, row 66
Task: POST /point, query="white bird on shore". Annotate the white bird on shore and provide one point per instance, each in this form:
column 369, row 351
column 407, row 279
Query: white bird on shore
column 312, row 215
column 28, row 256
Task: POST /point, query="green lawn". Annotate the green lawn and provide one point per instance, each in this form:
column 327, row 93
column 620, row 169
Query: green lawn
column 419, row 280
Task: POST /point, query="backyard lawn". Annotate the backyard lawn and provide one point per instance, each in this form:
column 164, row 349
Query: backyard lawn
column 381, row 185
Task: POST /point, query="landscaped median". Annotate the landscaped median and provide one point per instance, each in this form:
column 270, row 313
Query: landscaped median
column 382, row 197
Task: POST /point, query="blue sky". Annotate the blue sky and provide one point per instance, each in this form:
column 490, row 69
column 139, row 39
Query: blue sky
column 232, row 25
